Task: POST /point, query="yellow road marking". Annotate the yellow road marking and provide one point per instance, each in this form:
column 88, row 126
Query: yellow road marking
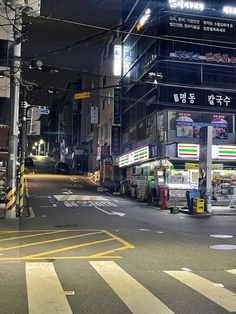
column 57, row 257
column 79, row 198
column 136, row 297
column 223, row 297
column 32, row 235
column 109, row 252
column 126, row 243
column 47, row 241
column 68, row 248
column 44, row 290
column 93, row 198
column 65, row 198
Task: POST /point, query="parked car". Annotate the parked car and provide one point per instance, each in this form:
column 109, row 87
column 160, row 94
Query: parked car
column 29, row 162
column 62, row 167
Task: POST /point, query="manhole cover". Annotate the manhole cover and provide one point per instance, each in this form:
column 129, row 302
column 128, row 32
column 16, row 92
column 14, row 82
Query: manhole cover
column 223, row 247
column 221, row 236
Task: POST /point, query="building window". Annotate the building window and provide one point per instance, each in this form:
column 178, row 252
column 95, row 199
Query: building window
column 103, row 104
column 104, row 81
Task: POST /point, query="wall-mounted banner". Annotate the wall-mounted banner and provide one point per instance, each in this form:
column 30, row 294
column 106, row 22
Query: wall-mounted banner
column 117, row 112
column 198, row 27
column 115, row 140
column 213, row 57
column 186, row 126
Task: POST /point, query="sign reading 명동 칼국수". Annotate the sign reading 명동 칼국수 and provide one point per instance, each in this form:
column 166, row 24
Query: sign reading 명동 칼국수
column 191, row 97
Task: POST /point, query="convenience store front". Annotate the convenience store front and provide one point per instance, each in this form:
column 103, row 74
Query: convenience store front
column 183, row 173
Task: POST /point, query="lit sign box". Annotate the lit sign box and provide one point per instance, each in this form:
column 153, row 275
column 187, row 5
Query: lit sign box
column 227, row 152
column 229, row 10
column 117, row 60
column 189, row 5
column 138, row 155
column 218, row 151
column 188, row 150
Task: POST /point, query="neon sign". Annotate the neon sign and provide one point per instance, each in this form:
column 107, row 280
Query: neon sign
column 138, row 155
column 188, row 5
column 229, row 10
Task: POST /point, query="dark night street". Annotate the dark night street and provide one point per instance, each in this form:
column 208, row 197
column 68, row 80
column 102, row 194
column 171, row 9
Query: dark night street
column 82, row 239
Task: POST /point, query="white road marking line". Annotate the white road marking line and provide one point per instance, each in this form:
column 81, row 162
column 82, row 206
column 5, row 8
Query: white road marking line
column 231, row 271
column 44, row 290
column 223, row 297
column 186, row 269
column 136, row 297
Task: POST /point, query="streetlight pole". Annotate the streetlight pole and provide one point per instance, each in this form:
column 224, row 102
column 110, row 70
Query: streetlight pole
column 11, row 195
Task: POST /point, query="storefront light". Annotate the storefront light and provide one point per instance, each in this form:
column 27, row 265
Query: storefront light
column 188, row 5
column 229, row 10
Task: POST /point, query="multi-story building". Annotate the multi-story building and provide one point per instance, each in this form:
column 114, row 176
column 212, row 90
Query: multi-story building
column 178, row 75
column 109, row 117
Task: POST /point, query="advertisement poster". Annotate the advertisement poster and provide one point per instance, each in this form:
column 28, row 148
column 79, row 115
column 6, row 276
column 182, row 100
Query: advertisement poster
column 187, row 126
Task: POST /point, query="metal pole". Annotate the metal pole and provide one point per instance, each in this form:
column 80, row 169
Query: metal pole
column 23, row 153
column 11, row 194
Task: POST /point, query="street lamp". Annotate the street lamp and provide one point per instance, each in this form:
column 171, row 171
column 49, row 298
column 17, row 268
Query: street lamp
column 40, row 143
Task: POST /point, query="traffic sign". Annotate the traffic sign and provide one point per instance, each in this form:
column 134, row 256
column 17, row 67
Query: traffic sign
column 44, row 110
column 83, row 95
column 34, row 113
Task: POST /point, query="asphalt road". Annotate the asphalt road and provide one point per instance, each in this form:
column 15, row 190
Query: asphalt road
column 82, row 251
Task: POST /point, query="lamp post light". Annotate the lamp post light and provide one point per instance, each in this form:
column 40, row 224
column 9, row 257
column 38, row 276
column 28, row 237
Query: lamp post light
column 41, row 142
column 36, row 144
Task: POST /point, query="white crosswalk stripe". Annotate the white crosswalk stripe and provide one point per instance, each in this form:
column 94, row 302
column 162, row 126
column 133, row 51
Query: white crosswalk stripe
column 137, row 298
column 45, row 293
column 223, row 297
column 88, row 204
column 232, row 271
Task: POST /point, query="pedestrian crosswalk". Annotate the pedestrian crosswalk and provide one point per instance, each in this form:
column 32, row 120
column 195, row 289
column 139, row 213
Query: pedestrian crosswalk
column 89, row 204
column 46, row 290
column 63, row 198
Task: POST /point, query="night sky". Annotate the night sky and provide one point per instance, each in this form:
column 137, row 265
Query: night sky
column 46, row 35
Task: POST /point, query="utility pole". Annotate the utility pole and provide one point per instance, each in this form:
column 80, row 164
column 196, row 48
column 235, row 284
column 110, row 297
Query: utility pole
column 23, row 152
column 31, row 7
column 11, row 195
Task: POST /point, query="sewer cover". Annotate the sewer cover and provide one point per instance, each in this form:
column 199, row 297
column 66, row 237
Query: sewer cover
column 221, row 236
column 223, row 247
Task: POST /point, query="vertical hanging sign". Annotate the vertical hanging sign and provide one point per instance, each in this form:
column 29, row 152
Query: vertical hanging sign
column 117, row 95
column 115, row 140
column 94, row 115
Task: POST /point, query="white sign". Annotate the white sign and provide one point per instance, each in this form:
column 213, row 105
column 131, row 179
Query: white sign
column 34, row 128
column 229, row 10
column 189, row 5
column 94, row 115
column 212, row 99
column 117, row 60
column 34, row 113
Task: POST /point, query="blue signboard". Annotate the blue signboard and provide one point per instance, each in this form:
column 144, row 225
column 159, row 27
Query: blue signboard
column 44, row 111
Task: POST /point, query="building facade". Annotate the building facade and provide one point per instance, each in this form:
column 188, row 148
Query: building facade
column 178, row 76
